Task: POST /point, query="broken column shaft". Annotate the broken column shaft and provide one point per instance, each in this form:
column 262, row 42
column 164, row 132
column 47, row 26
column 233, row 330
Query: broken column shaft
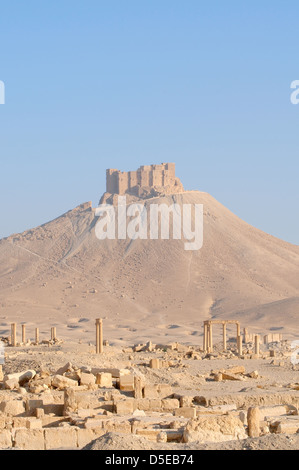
column 99, row 336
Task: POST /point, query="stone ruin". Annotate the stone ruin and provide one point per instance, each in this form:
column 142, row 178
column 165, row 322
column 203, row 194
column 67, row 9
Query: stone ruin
column 71, row 406
column 147, row 181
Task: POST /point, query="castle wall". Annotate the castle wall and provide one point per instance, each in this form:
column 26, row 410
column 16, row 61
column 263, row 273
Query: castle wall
column 146, row 176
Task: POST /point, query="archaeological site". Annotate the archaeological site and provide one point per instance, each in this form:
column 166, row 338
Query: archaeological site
column 140, row 345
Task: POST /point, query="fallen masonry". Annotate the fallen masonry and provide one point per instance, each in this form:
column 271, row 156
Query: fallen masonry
column 141, row 391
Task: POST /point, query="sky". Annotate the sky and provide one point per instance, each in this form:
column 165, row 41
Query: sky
column 94, row 84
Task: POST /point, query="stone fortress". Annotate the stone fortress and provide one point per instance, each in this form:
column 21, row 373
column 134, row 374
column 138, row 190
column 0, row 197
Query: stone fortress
column 148, row 181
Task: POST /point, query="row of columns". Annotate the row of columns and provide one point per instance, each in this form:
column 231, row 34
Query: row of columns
column 208, row 338
column 99, row 335
column 13, row 338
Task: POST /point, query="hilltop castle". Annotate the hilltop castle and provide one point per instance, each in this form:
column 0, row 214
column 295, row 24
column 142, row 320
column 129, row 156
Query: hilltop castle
column 147, row 181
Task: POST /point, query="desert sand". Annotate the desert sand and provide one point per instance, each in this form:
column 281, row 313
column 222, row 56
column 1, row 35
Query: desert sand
column 60, row 274
column 153, row 297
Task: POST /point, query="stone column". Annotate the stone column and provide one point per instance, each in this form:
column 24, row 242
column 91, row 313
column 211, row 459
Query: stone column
column 23, row 334
column 53, row 334
column 238, row 329
column 240, row 345
column 205, row 337
column 99, row 336
column 211, row 337
column 14, row 334
column 224, row 336
column 257, row 345
column 138, row 387
column 36, row 335
column 208, row 338
column 253, row 419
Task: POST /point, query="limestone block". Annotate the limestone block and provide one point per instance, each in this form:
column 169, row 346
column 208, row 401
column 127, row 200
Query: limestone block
column 126, row 383
column 66, row 368
column 164, row 391
column 34, row 423
column 25, row 439
column 230, row 376
column 278, row 410
column 125, row 407
column 174, row 435
column 85, row 436
column 218, row 377
column 11, row 384
column 138, row 387
column 12, row 407
column 94, row 424
column 214, row 429
column 234, row 370
column 288, row 427
column 62, row 382
column 2, row 422
column 254, row 374
column 116, row 373
column 104, row 379
column 87, row 379
column 60, row 438
column 123, row 427
column 39, row 413
column 186, row 412
column 5, row 439
column 155, row 363
column 155, row 404
column 70, row 402
column 143, row 404
column 170, row 404
column 151, row 391
column 186, row 401
column 32, row 405
column 21, row 377
column 19, row 423
column 150, row 434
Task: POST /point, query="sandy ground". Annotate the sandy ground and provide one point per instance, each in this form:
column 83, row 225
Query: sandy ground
column 60, row 274
column 186, row 376
column 118, row 442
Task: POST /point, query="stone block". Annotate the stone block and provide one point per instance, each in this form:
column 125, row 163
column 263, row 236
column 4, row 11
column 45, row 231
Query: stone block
column 12, row 407
column 214, row 429
column 186, row 412
column 126, row 383
column 25, row 439
column 104, row 379
column 155, row 363
column 85, row 436
column 87, row 379
column 61, row 438
column 33, row 405
column 5, row 439
column 124, row 407
column 170, row 404
column 61, row 382
column 151, row 391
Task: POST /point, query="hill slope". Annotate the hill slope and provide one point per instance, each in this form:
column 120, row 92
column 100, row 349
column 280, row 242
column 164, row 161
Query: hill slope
column 61, row 274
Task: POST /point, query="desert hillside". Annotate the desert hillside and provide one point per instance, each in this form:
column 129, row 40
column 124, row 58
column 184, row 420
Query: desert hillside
column 60, row 274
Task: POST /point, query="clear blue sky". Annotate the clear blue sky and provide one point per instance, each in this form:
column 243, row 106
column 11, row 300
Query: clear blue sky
column 96, row 84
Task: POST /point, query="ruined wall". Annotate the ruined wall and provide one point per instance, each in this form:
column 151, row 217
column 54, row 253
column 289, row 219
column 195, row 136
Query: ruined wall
column 118, row 182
